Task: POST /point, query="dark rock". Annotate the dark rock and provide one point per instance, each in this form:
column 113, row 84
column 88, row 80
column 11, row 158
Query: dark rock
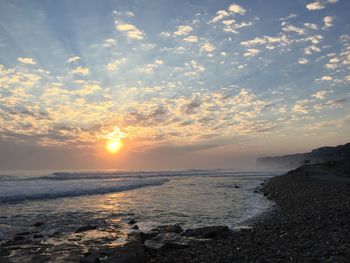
column 209, row 232
column 132, row 221
column 147, row 235
column 136, row 227
column 22, row 233
column 167, row 240
column 236, row 186
column 85, row 228
column 132, row 252
column 168, row 228
column 38, row 224
column 19, row 238
column 38, row 236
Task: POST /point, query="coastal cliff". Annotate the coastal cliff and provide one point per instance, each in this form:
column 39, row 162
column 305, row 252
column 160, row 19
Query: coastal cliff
column 340, row 154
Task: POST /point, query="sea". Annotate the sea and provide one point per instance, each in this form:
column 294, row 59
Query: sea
column 65, row 201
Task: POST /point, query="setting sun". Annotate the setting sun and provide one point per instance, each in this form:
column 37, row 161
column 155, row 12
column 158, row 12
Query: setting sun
column 114, row 146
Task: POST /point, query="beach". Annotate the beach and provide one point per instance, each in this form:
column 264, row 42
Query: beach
column 309, row 222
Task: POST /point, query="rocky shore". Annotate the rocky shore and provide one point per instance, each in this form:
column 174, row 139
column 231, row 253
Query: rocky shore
column 309, row 223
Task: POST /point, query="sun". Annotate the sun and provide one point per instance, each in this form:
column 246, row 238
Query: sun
column 113, row 146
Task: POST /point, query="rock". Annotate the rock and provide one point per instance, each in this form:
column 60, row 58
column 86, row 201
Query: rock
column 23, row 234
column 38, row 236
column 132, row 252
column 168, row 229
column 85, row 228
column 209, row 232
column 132, row 221
column 236, row 186
column 136, row 227
column 19, row 238
column 38, row 224
column 167, row 240
column 147, row 235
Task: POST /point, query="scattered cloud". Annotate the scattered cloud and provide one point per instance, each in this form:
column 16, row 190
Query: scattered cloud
column 328, row 21
column 73, row 59
column 29, row 61
column 221, row 14
column 237, row 9
column 320, row 94
column 110, row 42
column 303, row 61
column 318, row 5
column 251, row 52
column 131, row 30
column 81, row 71
column 183, row 30
column 191, row 39
column 326, row 78
column 114, row 65
column 207, row 47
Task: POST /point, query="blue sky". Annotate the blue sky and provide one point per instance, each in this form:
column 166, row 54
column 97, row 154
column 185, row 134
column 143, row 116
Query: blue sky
column 179, row 82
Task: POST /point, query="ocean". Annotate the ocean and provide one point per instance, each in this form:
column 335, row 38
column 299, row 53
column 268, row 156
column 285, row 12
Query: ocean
column 67, row 200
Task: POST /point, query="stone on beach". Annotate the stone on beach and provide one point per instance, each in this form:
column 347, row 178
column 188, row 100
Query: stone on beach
column 167, row 240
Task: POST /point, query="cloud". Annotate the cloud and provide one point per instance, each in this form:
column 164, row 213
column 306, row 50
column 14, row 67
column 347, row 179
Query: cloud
column 301, row 106
column 328, row 22
column 265, row 40
column 191, row 39
column 29, row 61
column 131, row 30
column 73, row 59
column 113, row 66
column 311, row 49
column 150, row 68
column 251, row 52
column 320, row 94
column 311, row 26
column 234, row 8
column 221, row 14
column 318, row 5
column 183, row 30
column 110, row 42
column 288, row 17
column 327, row 78
column 291, row 28
column 81, row 71
column 207, row 47
column 303, row 61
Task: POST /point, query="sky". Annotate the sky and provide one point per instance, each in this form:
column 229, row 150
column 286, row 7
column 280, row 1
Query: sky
column 182, row 84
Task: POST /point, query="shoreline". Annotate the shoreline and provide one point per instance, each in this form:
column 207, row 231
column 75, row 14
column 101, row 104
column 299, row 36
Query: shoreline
column 308, row 221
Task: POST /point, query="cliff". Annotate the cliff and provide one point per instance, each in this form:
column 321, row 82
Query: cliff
column 320, row 155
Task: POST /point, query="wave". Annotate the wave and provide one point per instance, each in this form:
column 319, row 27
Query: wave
column 134, row 175
column 39, row 189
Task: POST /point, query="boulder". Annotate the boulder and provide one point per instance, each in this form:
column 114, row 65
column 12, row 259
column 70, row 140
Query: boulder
column 38, row 224
column 167, row 240
column 132, row 221
column 168, row 229
column 132, row 252
column 85, row 228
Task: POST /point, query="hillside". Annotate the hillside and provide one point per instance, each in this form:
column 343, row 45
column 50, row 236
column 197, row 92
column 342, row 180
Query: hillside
column 340, row 153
